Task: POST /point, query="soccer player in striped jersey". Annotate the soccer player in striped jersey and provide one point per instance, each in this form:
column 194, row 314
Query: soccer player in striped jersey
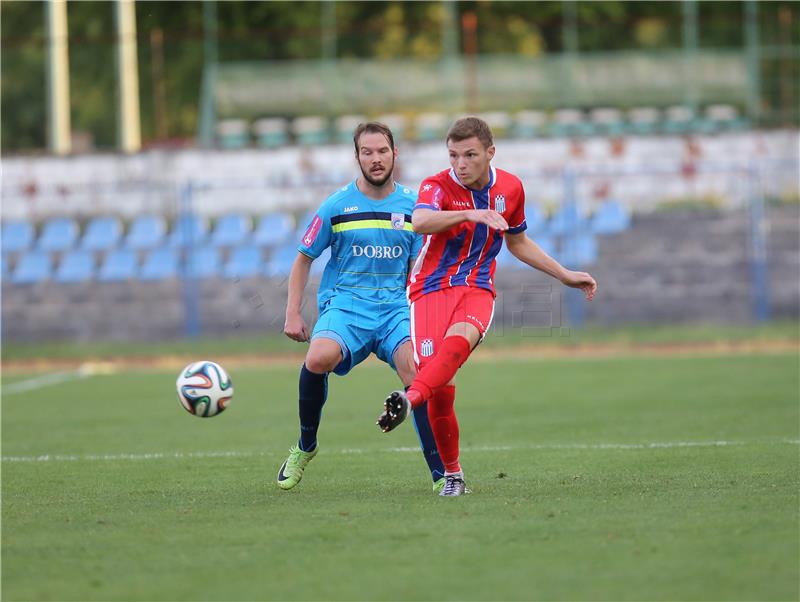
column 465, row 213
column 362, row 295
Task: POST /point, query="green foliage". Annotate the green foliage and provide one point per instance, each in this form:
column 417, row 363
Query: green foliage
column 555, row 514
column 23, row 74
column 261, row 31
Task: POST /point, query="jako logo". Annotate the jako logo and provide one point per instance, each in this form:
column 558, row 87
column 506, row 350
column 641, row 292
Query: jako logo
column 375, row 252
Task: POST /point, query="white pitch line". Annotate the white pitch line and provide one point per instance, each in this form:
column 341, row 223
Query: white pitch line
column 479, row 449
column 46, row 380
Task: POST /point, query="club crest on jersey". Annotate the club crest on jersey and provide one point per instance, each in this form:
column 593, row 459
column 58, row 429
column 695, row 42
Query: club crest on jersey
column 426, row 348
column 398, row 221
column 499, row 203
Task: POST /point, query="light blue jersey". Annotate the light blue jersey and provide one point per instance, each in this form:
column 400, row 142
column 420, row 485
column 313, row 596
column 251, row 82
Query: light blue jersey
column 362, row 294
column 371, row 243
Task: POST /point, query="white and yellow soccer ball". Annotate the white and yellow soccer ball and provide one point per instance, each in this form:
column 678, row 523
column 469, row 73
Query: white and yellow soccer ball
column 204, row 388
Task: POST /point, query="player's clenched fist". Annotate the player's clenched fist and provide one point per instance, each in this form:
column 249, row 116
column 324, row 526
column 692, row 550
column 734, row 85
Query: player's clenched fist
column 295, row 328
column 489, row 217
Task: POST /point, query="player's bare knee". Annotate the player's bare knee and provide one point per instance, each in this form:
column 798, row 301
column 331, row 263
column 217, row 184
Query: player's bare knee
column 323, row 359
column 404, row 363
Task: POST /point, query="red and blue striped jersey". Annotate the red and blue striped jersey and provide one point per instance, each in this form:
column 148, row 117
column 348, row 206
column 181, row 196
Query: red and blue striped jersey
column 465, row 254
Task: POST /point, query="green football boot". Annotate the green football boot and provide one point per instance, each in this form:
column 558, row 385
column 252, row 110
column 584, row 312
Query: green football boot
column 292, row 469
column 438, row 485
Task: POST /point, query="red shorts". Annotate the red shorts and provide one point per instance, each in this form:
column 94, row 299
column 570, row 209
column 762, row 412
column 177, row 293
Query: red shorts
column 433, row 314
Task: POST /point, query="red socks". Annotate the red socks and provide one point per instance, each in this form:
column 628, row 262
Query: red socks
column 453, row 353
column 431, row 384
column 445, row 426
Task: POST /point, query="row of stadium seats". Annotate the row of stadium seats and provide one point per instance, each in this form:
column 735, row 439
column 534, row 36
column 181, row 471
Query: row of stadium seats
column 163, row 263
column 147, row 232
column 240, row 256
column 274, row 132
column 271, row 231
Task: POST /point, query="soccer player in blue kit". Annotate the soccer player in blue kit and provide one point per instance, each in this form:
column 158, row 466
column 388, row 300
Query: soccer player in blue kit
column 362, row 295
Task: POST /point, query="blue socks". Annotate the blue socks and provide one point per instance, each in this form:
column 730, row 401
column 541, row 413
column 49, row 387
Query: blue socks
column 427, row 442
column 313, row 393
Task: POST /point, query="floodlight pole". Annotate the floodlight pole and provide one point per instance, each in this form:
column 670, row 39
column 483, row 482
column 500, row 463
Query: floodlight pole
column 129, row 124
column 759, row 268
column 192, row 326
column 58, row 78
column 690, row 41
column 753, row 54
column 208, row 100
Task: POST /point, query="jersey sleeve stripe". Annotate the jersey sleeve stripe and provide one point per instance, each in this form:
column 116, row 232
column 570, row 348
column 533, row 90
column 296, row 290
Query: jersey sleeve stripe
column 425, row 206
column 305, row 251
column 520, row 228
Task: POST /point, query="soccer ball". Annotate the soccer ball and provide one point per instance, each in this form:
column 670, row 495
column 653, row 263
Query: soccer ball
column 204, row 389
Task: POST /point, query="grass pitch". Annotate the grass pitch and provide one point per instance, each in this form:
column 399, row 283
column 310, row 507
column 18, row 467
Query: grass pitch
column 597, row 479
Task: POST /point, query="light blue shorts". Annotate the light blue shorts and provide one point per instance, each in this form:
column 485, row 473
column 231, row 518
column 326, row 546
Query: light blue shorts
column 360, row 331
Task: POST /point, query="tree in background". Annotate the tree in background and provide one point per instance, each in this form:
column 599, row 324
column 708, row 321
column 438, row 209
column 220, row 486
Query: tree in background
column 170, row 43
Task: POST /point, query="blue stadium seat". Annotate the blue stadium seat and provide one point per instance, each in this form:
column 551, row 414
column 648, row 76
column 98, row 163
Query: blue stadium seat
column 579, row 250
column 534, row 217
column 17, row 236
column 547, row 243
column 58, row 234
column 610, row 218
column 118, row 265
column 204, row 262
column 146, row 232
column 273, row 230
column 244, row 262
column 280, row 264
column 302, row 225
column 75, row 266
column 320, row 262
column 188, row 230
column 506, row 261
column 160, row 264
column 231, row 230
column 567, row 219
column 33, row 266
column 102, row 234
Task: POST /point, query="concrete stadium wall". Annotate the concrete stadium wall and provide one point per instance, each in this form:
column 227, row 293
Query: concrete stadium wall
column 638, row 171
column 676, row 266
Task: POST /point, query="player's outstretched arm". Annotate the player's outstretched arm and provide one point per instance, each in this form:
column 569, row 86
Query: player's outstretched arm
column 295, row 327
column 428, row 221
column 527, row 251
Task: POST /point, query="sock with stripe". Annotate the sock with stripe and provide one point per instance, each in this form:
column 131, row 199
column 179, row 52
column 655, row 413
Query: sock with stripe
column 313, row 393
column 440, row 370
column 445, row 426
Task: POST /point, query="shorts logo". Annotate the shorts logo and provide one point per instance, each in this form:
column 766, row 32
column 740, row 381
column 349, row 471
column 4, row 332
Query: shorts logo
column 477, row 321
column 500, row 203
column 426, row 348
column 398, row 221
column 311, row 233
